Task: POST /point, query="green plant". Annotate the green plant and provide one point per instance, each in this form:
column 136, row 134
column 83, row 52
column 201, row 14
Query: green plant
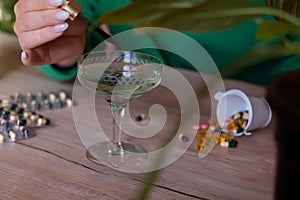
column 215, row 15
column 7, row 17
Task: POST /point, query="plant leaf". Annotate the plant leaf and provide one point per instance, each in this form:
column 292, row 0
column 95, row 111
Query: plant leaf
column 7, row 16
column 260, row 54
column 180, row 14
column 198, row 16
column 278, row 29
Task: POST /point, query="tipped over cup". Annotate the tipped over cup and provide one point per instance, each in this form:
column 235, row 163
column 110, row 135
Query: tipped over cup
column 235, row 101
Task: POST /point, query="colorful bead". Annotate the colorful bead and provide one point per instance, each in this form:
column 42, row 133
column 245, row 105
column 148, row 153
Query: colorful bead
column 2, row 138
column 17, row 113
column 224, row 144
column 233, row 143
column 140, row 117
column 183, row 137
column 222, row 135
column 12, row 136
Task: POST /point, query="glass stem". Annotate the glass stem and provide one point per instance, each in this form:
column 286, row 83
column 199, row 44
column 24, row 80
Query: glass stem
column 118, row 114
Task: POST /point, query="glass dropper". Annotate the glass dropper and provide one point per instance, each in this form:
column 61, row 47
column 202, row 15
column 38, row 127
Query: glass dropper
column 75, row 11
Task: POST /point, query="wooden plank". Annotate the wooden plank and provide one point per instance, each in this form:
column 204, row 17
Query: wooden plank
column 28, row 173
column 53, row 164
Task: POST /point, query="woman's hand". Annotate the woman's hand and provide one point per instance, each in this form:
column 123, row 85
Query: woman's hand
column 46, row 35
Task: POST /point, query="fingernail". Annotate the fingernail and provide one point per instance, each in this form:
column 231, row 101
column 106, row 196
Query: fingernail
column 23, row 55
column 60, row 27
column 61, row 15
column 55, row 2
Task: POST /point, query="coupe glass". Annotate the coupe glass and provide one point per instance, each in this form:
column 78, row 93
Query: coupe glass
column 119, row 76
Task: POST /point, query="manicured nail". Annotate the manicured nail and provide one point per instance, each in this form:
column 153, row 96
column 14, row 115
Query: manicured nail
column 55, row 3
column 61, row 15
column 60, row 27
column 24, row 55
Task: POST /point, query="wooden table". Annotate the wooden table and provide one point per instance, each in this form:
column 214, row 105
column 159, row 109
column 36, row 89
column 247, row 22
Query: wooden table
column 53, row 164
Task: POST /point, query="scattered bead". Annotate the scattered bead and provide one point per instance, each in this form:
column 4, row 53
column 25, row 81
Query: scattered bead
column 43, row 122
column 69, row 102
column 1, row 138
column 183, row 137
column 62, row 95
column 25, row 133
column 233, row 126
column 140, row 117
column 224, row 144
column 233, row 143
column 12, row 136
column 200, row 126
column 17, row 113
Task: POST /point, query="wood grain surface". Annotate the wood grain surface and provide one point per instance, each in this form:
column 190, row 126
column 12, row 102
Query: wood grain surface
column 53, row 164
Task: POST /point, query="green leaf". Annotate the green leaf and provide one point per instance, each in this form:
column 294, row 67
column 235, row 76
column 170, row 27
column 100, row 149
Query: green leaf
column 140, row 10
column 7, row 16
column 180, row 14
column 212, row 15
column 198, row 16
column 259, row 54
column 278, row 30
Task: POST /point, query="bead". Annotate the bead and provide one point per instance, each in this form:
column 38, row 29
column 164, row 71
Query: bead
column 59, row 104
column 26, row 114
column 2, row 138
column 233, row 143
column 43, row 121
column 34, row 117
column 69, row 102
column 48, row 105
column 183, row 137
column 29, row 122
column 37, row 106
column 21, row 122
column 13, row 118
column 245, row 115
column 240, row 130
column 200, row 126
column 52, row 97
column 237, row 116
column 12, row 106
column 62, row 95
column 6, row 126
column 12, row 135
column 232, row 126
column 140, row 117
column 25, row 133
column 224, row 144
column 19, row 110
column 4, row 102
column 239, row 122
column 5, row 115
column 21, row 128
column 212, row 128
column 218, row 129
column 229, row 120
column 201, row 137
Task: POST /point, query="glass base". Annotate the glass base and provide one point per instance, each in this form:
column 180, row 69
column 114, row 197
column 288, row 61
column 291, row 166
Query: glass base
column 108, row 154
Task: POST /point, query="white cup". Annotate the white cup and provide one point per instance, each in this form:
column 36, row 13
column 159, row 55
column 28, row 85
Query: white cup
column 234, row 101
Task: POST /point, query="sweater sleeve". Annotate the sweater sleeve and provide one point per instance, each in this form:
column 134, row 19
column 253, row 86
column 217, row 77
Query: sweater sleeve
column 59, row 75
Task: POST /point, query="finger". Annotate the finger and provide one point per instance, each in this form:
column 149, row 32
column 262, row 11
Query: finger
column 33, row 39
column 40, row 19
column 23, row 6
column 54, row 52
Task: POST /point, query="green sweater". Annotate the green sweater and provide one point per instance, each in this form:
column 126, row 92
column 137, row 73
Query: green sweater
column 224, row 47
